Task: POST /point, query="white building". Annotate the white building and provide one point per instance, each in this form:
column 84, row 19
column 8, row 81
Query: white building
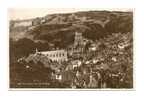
column 57, row 55
column 23, row 23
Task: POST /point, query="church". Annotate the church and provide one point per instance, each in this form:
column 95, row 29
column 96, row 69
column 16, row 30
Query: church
column 76, row 49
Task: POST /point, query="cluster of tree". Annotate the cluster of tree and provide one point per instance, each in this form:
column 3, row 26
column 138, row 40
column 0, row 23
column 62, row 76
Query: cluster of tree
column 62, row 34
column 89, row 29
column 22, row 73
column 24, row 47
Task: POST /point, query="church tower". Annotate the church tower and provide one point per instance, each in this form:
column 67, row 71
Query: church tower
column 78, row 39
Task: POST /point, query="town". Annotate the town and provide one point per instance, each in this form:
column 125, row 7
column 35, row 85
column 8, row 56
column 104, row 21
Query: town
column 84, row 63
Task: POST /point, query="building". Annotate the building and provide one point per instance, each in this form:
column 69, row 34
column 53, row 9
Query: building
column 36, row 21
column 20, row 23
column 57, row 55
column 79, row 43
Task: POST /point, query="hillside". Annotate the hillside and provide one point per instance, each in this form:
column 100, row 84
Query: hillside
column 60, row 28
column 57, row 30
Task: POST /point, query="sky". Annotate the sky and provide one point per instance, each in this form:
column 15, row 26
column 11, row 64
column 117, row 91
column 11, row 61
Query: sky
column 28, row 13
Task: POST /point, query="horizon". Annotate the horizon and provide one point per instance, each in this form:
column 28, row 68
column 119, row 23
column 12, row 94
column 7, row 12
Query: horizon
column 30, row 13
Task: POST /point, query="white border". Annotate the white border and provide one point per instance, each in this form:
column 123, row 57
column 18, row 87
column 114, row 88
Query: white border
column 99, row 89
column 102, row 95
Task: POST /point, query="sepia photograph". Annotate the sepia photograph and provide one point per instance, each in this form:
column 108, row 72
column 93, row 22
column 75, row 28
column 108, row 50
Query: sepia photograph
column 63, row 48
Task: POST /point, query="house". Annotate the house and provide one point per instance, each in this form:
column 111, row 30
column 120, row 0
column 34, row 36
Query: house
column 25, row 23
column 36, row 21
